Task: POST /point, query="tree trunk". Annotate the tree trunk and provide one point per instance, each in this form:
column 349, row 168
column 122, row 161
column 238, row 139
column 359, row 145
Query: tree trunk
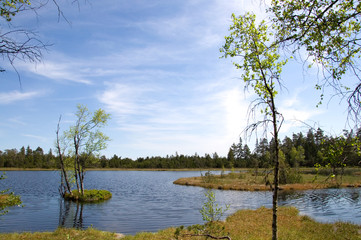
column 76, row 174
column 276, row 173
column 64, row 176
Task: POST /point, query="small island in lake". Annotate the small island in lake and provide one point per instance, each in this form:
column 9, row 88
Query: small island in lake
column 93, row 195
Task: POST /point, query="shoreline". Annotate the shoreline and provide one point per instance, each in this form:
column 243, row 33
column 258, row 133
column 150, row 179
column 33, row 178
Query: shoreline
column 122, row 169
column 243, row 224
column 261, row 187
column 249, row 182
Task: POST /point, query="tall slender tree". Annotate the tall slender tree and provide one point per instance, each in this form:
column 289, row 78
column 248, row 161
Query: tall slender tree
column 86, row 139
column 261, row 65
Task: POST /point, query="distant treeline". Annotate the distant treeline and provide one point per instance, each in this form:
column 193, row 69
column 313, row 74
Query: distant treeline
column 300, row 150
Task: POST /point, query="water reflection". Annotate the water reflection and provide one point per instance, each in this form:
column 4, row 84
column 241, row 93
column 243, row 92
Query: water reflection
column 70, row 214
column 149, row 201
column 326, row 205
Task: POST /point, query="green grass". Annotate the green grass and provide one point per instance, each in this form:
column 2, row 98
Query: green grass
column 92, row 195
column 244, row 224
column 255, row 181
column 61, row 234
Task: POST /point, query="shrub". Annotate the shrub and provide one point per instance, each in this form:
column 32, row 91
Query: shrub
column 208, row 177
column 288, row 175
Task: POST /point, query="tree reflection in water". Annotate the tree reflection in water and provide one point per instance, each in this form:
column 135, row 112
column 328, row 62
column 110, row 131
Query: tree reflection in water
column 71, row 214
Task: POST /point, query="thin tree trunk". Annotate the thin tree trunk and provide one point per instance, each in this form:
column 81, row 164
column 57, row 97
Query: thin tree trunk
column 76, row 174
column 276, row 174
column 76, row 163
column 64, row 176
column 82, row 180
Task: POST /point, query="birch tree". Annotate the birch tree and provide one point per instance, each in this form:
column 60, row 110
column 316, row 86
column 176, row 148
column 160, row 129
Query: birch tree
column 85, row 140
column 261, row 67
column 328, row 33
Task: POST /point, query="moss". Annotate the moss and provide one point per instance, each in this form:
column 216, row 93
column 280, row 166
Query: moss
column 93, row 195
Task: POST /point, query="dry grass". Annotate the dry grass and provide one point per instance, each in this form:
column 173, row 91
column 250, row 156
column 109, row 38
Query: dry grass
column 256, row 225
column 248, row 181
column 244, row 224
column 61, row 234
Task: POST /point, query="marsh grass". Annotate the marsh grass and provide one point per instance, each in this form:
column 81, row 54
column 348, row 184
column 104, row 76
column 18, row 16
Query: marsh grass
column 250, row 181
column 244, row 224
column 256, row 225
column 61, row 234
column 92, row 195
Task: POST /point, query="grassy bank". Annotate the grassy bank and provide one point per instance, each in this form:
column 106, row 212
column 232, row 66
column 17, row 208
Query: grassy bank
column 92, row 195
column 61, row 234
column 116, row 169
column 256, row 181
column 244, row 224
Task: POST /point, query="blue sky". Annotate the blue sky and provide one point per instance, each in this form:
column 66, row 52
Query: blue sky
column 155, row 67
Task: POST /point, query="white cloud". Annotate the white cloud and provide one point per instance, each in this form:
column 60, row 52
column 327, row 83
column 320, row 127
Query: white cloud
column 16, row 96
column 63, row 69
column 205, row 121
column 39, row 138
column 296, row 112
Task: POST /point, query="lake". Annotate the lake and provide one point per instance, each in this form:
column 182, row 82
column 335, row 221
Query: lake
column 149, row 201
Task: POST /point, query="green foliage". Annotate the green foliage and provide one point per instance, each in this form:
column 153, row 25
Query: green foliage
column 327, row 29
column 288, row 175
column 87, row 140
column 329, row 33
column 92, row 195
column 334, row 151
column 211, row 214
column 262, row 67
column 261, row 61
column 9, row 9
column 300, row 149
column 86, row 132
column 7, row 198
column 208, row 177
column 210, row 210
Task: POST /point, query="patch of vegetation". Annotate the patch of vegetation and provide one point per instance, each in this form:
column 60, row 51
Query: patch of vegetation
column 93, row 195
column 290, row 178
column 255, row 225
column 62, row 234
column 244, row 224
column 7, row 198
column 211, row 214
column 289, row 175
column 209, row 177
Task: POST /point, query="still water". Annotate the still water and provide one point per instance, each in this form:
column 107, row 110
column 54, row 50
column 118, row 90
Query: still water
column 149, row 201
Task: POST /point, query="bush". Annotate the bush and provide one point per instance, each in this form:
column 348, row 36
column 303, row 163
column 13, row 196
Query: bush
column 92, row 195
column 208, row 177
column 290, row 176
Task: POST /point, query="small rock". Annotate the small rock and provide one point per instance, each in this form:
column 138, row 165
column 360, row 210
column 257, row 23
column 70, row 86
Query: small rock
column 119, row 235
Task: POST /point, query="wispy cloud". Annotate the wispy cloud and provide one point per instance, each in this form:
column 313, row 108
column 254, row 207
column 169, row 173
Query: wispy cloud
column 296, row 112
column 64, row 69
column 39, row 138
column 16, row 96
column 205, row 121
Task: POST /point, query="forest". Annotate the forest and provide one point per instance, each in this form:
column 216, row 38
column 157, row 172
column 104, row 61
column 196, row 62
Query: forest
column 300, row 150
